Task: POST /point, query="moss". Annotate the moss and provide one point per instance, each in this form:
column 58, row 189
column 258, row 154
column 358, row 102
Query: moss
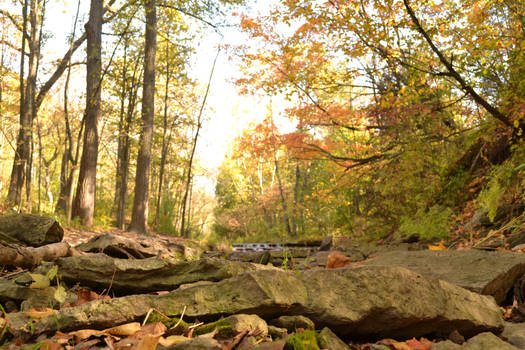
column 167, row 321
column 302, row 341
column 224, row 329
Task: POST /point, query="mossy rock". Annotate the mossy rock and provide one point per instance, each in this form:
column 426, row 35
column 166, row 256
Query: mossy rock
column 231, row 326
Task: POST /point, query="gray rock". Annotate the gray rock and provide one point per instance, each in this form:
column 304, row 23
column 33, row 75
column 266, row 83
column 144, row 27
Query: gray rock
column 489, row 273
column 33, row 230
column 277, row 332
column 292, row 323
column 126, row 276
column 326, row 244
column 198, row 344
column 360, row 302
column 446, row 345
column 328, row 340
column 487, row 341
column 515, row 334
column 232, row 325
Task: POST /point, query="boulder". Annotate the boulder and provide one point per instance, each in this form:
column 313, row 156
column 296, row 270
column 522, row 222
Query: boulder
column 230, row 326
column 292, row 323
column 32, row 230
column 354, row 303
column 487, row 340
column 328, row 340
column 277, row 332
column 489, row 273
column 377, row 301
column 126, row 276
column 515, row 334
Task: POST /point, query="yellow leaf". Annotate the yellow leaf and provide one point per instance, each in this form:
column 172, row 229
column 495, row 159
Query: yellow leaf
column 124, row 329
column 172, row 340
column 441, row 246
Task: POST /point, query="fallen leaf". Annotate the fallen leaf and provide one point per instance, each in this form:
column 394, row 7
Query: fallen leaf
column 40, row 281
column 172, row 340
column 336, row 259
column 39, row 313
column 50, row 345
column 149, row 342
column 85, row 296
column 124, row 329
column 441, row 246
column 155, row 328
column 84, row 334
column 422, row 344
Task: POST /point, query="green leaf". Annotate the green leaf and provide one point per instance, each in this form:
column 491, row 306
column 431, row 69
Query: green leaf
column 51, row 274
column 40, row 281
column 60, row 294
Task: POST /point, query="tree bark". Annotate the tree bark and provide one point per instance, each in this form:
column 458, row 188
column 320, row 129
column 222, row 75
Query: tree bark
column 84, row 203
column 28, row 257
column 139, row 214
column 165, row 142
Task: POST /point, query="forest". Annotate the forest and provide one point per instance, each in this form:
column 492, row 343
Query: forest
column 272, row 175
column 404, row 117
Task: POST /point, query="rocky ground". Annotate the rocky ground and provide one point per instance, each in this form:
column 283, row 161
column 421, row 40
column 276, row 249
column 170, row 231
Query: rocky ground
column 125, row 291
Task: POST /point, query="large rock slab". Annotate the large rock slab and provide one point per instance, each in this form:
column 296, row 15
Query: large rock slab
column 126, row 276
column 33, row 230
column 140, row 247
column 360, row 302
column 489, row 273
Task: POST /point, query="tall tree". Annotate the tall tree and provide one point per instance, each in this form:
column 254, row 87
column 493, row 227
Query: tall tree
column 84, row 203
column 21, row 163
column 139, row 214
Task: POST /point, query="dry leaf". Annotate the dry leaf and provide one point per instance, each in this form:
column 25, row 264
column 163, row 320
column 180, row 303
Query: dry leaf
column 37, row 314
column 149, row 342
column 336, row 259
column 50, row 345
column 84, row 334
column 172, row 340
column 441, row 246
column 154, row 328
column 124, row 329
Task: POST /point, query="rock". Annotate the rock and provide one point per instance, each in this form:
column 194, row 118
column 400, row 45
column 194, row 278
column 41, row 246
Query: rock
column 277, row 332
column 10, row 291
column 486, row 341
column 456, row 337
column 389, row 301
column 379, row 347
column 194, row 284
column 447, row 345
column 146, row 275
column 515, row 334
column 198, row 344
column 247, row 343
column 328, row 340
column 326, row 244
column 292, row 323
column 33, row 230
column 362, row 302
column 231, row 326
column 489, row 273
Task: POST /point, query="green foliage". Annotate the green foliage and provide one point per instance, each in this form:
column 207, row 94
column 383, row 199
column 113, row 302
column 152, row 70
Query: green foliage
column 306, row 340
column 506, row 180
column 433, row 223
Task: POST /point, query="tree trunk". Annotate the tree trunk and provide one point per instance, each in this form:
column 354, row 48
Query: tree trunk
column 165, row 142
column 84, row 203
column 281, row 192
column 67, row 163
column 139, row 215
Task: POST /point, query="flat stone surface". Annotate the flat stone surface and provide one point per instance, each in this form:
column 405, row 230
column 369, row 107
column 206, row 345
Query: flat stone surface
column 360, row 302
column 484, row 272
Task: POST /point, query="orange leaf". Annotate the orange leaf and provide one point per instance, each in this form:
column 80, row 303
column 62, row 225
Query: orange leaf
column 441, row 246
column 336, row 259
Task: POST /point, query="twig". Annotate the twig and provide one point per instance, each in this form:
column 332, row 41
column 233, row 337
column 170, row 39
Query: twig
column 180, row 319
